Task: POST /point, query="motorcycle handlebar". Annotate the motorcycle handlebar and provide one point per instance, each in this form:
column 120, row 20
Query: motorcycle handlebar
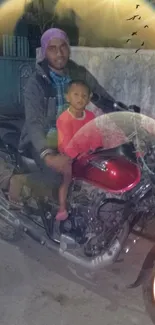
column 109, row 105
column 122, row 107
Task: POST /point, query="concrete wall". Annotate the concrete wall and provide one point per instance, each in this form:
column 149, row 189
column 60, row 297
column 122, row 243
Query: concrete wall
column 129, row 78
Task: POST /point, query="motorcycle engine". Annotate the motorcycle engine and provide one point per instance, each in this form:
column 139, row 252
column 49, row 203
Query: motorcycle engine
column 94, row 220
column 110, row 216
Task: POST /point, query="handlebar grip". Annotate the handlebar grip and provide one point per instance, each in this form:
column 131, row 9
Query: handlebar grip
column 122, row 107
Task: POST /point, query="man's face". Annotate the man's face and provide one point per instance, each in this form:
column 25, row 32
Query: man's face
column 57, row 54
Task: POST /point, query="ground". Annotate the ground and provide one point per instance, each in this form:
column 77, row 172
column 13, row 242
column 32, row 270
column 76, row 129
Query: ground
column 39, row 288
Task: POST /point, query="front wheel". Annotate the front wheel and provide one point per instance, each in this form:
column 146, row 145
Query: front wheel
column 149, row 294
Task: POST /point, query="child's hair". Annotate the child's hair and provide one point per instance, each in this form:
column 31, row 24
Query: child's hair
column 78, row 82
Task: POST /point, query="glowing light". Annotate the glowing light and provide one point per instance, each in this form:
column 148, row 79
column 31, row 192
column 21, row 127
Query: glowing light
column 151, row 3
column 113, row 173
column 10, row 12
column 103, row 20
column 98, row 21
column 153, row 288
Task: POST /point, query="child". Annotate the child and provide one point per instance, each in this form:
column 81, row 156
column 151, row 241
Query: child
column 68, row 123
column 74, row 118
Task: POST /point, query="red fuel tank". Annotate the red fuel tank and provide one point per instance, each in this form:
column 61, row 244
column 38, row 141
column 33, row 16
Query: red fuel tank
column 118, row 175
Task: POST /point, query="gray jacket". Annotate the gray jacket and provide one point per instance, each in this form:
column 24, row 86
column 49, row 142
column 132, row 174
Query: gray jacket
column 40, row 104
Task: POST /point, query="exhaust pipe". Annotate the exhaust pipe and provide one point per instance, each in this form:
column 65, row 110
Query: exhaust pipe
column 68, row 245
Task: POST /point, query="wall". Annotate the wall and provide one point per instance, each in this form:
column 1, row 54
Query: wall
column 129, row 78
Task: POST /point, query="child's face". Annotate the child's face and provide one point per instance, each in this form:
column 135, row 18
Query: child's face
column 78, row 97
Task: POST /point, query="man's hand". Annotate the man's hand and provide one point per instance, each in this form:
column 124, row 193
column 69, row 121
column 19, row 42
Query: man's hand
column 59, row 162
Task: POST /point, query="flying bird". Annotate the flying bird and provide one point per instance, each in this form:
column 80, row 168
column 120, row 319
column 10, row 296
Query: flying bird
column 137, row 50
column 117, row 56
column 132, row 18
column 137, row 6
column 128, row 40
column 146, row 26
column 139, row 17
column 142, row 44
column 134, row 33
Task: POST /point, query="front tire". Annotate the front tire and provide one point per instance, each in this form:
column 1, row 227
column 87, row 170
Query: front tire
column 149, row 294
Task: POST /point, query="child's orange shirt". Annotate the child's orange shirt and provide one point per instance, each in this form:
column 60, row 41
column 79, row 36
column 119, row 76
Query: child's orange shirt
column 68, row 126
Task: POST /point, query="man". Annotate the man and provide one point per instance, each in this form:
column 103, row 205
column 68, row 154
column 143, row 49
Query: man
column 45, row 101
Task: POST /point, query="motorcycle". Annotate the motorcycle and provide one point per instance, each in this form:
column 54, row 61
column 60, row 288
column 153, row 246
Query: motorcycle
column 111, row 195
